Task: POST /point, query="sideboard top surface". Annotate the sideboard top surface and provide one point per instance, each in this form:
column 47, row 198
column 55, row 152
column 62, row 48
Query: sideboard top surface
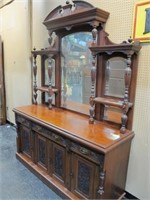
column 73, row 125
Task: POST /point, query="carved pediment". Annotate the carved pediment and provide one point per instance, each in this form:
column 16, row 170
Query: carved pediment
column 74, row 14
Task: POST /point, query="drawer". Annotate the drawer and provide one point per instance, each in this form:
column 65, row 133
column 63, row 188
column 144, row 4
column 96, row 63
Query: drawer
column 49, row 134
column 59, row 139
column 42, row 130
column 87, row 153
column 23, row 121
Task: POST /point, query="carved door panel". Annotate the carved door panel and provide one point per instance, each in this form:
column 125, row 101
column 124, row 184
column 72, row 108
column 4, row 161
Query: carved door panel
column 26, row 142
column 59, row 163
column 84, row 177
column 41, row 151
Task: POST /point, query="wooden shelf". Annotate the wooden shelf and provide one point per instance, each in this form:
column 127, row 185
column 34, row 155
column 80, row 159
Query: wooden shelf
column 45, row 51
column 111, row 102
column 111, row 48
column 45, row 89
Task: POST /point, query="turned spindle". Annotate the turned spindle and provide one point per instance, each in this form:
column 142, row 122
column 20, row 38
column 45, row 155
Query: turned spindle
column 35, row 81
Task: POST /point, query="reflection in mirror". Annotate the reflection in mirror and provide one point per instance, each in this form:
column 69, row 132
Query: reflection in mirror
column 46, row 72
column 112, row 114
column 114, row 73
column 75, row 78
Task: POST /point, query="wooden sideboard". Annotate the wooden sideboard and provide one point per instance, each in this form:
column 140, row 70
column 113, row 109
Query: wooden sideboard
column 76, row 136
column 76, row 159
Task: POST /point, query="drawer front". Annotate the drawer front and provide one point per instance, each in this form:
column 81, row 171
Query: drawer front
column 59, row 139
column 40, row 129
column 87, row 153
column 23, row 121
column 49, row 134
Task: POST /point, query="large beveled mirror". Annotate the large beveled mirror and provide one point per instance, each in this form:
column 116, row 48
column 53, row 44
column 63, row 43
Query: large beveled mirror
column 76, row 69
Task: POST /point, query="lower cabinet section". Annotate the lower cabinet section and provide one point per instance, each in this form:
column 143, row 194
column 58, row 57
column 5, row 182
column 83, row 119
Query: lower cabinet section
column 71, row 167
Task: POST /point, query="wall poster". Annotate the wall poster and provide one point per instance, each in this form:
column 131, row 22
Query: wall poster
column 141, row 21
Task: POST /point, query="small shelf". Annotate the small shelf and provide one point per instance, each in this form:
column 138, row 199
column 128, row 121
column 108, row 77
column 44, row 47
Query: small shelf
column 45, row 89
column 111, row 102
column 124, row 48
column 46, row 51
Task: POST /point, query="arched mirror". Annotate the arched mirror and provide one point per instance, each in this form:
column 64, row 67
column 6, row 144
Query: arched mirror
column 75, row 73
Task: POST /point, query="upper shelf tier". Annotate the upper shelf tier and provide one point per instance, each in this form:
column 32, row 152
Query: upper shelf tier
column 125, row 48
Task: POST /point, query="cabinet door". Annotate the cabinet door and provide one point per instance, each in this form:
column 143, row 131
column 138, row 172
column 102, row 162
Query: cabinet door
column 26, row 142
column 85, row 175
column 59, row 163
column 41, row 151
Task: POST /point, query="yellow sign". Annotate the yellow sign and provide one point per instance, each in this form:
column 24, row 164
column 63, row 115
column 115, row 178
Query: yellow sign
column 141, row 22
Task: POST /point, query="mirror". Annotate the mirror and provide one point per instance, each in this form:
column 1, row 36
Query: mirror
column 112, row 114
column 114, row 86
column 46, row 72
column 76, row 70
column 114, row 73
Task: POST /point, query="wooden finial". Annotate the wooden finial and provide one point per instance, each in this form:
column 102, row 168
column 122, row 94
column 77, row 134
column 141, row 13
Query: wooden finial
column 67, row 2
column 130, row 40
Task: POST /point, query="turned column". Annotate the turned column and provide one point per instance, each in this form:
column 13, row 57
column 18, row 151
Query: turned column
column 35, row 81
column 125, row 106
column 50, row 89
column 93, row 78
column 101, row 183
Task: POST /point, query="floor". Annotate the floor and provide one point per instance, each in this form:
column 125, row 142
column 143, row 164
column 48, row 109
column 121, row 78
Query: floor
column 16, row 181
